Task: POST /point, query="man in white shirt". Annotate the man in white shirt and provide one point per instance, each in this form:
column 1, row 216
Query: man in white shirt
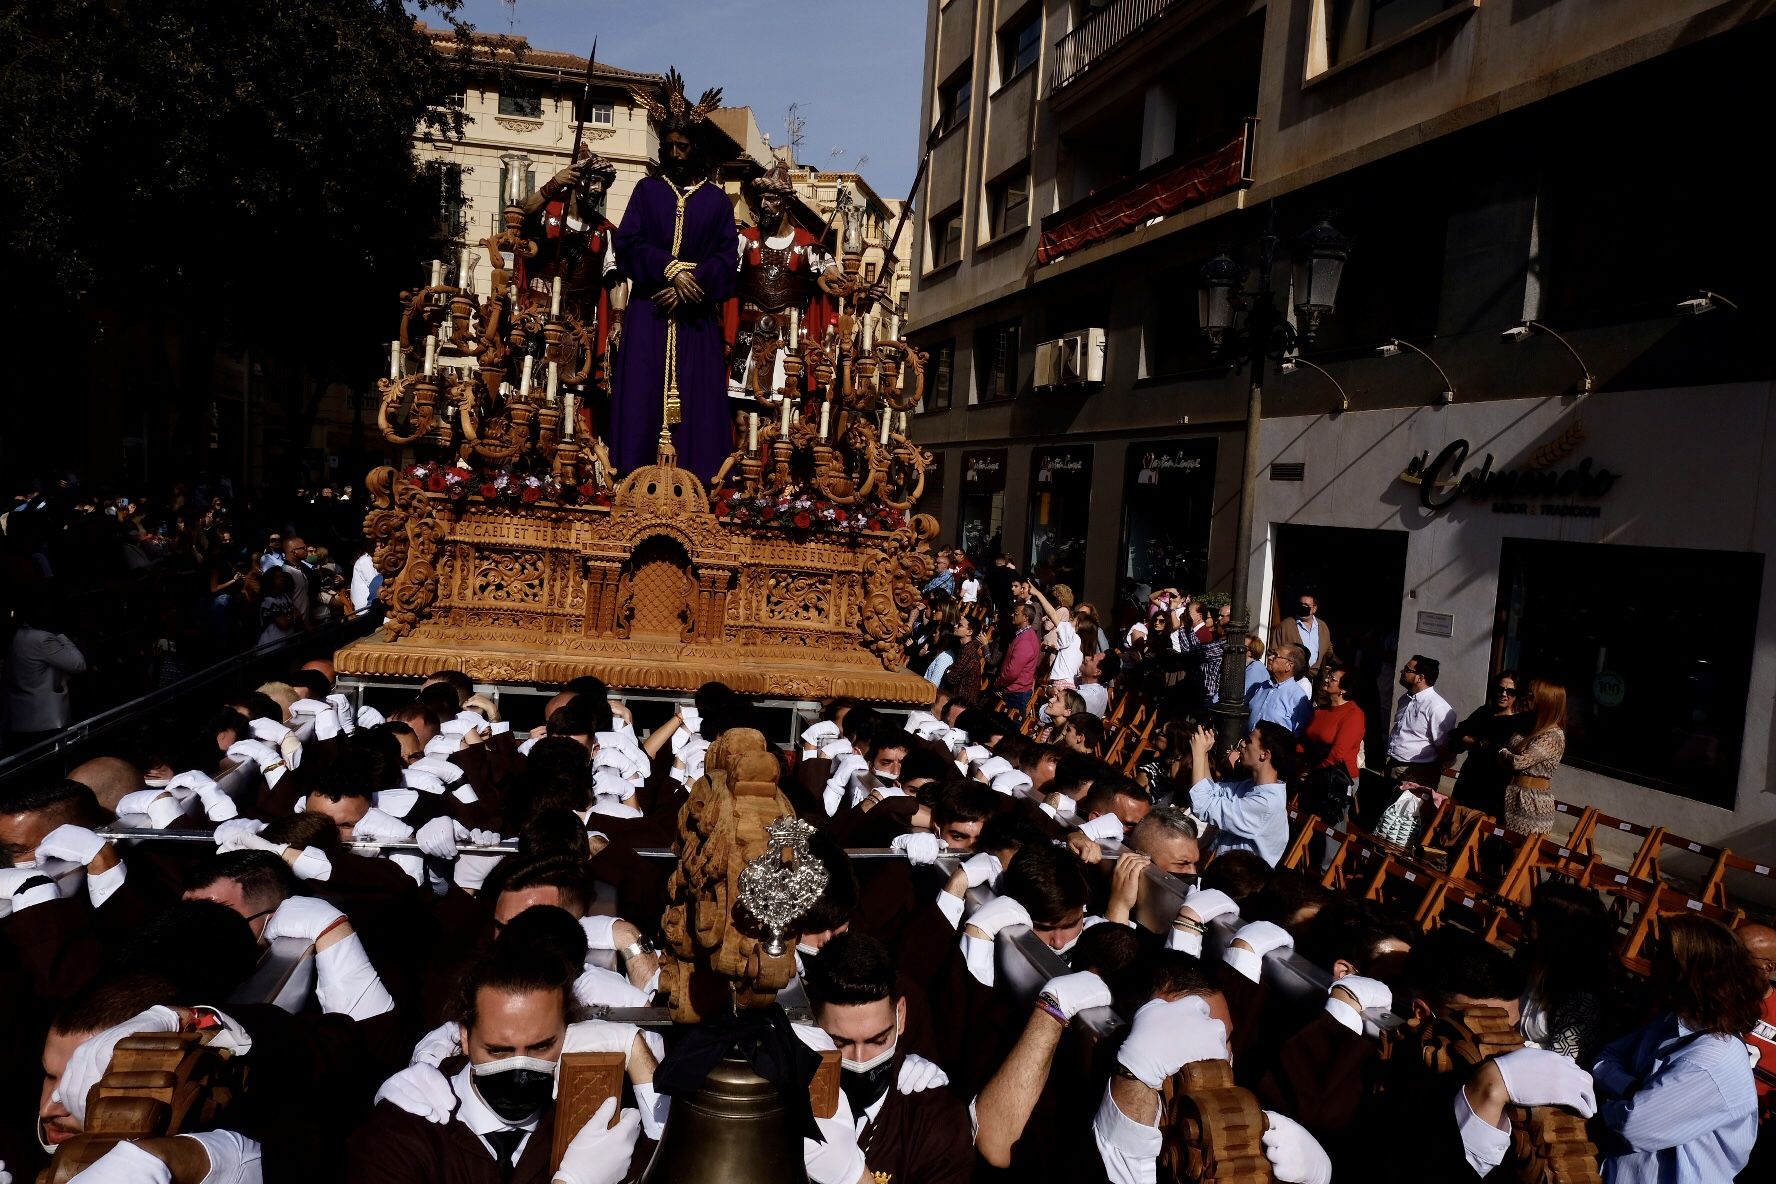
column 38, row 667
column 1249, row 815
column 366, row 581
column 1423, row 724
column 1064, row 670
column 1095, row 694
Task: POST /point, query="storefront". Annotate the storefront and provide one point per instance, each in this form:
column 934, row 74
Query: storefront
column 1615, row 544
column 980, row 525
column 1060, row 515
column 1168, row 498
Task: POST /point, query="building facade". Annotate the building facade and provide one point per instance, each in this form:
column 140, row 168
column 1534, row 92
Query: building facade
column 1535, row 215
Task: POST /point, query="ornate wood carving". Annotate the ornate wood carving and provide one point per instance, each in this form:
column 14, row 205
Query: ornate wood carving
column 406, row 534
column 1214, row 1130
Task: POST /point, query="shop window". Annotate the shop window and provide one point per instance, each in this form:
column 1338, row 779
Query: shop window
column 1651, row 699
column 940, row 378
column 521, row 101
column 980, row 523
column 1060, row 515
column 1168, row 499
column 996, row 362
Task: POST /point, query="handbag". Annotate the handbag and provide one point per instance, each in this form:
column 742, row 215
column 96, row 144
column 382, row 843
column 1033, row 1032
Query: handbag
column 1400, row 823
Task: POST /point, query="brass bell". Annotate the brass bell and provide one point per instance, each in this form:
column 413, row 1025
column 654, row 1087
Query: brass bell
column 733, row 1130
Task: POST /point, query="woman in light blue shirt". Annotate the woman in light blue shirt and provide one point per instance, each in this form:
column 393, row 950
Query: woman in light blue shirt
column 1678, row 1094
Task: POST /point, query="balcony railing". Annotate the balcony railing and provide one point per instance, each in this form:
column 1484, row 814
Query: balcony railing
column 1101, row 32
column 1149, row 195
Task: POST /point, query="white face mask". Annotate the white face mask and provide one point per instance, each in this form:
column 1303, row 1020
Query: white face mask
column 880, row 1059
column 1069, row 946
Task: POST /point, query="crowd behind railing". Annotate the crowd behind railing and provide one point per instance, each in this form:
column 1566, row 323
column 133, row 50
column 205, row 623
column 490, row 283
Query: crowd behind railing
column 1103, row 946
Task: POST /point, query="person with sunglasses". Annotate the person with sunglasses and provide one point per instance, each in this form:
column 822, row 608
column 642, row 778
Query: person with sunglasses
column 1480, row 783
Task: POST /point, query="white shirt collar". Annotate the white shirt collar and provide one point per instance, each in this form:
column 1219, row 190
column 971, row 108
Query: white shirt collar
column 478, row 1117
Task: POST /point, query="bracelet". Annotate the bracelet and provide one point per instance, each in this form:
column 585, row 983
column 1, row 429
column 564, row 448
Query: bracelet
column 634, row 950
column 1187, row 924
column 1047, row 1003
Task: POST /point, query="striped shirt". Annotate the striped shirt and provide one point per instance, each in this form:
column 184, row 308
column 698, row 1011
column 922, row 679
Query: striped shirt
column 1685, row 1110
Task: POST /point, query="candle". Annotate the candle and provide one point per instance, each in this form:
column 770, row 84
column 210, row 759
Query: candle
column 795, row 326
column 431, row 359
column 555, row 297
column 884, row 427
column 752, row 431
column 893, row 327
column 394, row 360
column 825, row 418
column 570, row 415
column 786, row 413
column 554, row 379
column 524, row 380
column 868, row 336
column 462, row 273
column 437, row 272
column 903, row 423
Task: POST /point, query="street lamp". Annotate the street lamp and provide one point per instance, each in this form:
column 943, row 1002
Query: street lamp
column 1252, row 328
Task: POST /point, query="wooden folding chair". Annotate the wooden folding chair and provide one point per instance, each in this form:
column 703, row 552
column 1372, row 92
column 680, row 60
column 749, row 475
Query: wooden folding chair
column 1714, row 887
column 1667, row 902
column 1646, row 851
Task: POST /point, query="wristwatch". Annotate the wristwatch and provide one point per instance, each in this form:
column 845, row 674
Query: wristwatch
column 635, row 949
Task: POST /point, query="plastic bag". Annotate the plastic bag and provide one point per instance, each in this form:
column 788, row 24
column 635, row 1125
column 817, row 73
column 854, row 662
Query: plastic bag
column 1399, row 823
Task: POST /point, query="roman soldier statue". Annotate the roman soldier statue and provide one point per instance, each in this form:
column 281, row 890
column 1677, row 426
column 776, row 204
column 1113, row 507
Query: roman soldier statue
column 784, row 269
column 565, row 218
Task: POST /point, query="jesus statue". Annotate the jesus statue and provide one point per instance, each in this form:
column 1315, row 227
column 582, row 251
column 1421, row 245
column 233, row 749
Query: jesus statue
column 678, row 244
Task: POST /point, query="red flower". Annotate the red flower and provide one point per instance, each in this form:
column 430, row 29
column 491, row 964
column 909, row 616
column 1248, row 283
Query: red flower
column 489, row 490
column 435, row 483
column 587, row 489
column 839, row 514
column 875, row 524
column 531, row 495
column 802, row 521
column 603, row 498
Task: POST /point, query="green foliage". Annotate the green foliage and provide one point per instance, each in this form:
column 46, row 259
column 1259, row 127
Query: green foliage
column 213, row 158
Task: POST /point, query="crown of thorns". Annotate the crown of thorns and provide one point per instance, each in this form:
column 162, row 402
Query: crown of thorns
column 668, row 107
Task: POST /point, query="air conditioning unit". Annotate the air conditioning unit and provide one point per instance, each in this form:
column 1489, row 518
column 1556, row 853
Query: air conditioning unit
column 1074, row 360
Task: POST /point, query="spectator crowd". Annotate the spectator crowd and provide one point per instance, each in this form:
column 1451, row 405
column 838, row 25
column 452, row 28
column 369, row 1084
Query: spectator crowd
column 1067, row 775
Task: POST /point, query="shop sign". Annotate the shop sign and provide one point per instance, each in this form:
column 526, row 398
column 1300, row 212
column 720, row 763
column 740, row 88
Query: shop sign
column 1059, row 465
column 984, row 470
column 1526, row 490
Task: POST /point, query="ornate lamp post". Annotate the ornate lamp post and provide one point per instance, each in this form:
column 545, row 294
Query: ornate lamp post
column 1251, row 328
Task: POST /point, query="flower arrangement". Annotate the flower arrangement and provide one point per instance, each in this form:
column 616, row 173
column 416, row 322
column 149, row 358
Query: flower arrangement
column 509, row 486
column 805, row 513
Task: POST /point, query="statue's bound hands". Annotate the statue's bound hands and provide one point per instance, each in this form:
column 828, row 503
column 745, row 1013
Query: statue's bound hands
column 689, row 290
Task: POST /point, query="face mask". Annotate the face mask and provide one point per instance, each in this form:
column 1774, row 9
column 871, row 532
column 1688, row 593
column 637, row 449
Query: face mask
column 806, row 950
column 865, row 1081
column 1302, row 611
column 516, row 1087
column 1068, row 948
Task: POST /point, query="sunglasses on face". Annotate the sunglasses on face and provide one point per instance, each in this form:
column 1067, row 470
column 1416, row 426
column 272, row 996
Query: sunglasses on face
column 1507, row 692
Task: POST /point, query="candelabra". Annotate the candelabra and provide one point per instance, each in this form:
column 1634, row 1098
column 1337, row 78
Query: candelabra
column 449, row 391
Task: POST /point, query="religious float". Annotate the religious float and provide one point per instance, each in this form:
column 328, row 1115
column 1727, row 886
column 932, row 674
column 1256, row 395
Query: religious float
column 515, row 549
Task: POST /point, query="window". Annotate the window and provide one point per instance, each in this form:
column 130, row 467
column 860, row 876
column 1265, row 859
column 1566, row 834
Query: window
column 1168, row 499
column 980, row 521
column 1020, row 44
column 1649, row 697
column 596, row 114
column 1352, row 26
column 996, row 362
column 447, row 178
column 1008, row 203
column 869, row 271
column 954, row 98
column 1171, row 336
column 939, row 378
column 946, row 239
column 521, row 101
column 1060, row 514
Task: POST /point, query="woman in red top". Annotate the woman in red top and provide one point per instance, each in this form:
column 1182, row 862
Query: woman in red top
column 1335, row 732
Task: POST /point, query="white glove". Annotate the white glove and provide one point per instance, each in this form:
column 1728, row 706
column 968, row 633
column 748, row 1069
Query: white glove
column 76, row 844
column 471, row 871
column 1371, row 993
column 838, row 1160
column 88, row 1062
column 600, row 931
column 819, row 732
column 234, row 1158
column 920, row 847
column 346, row 983
column 1542, row 1077
column 439, row 837
column 421, row 1090
column 1167, row 1035
column 304, row 917
column 341, row 703
column 443, row 1041
column 375, row 824
column 1073, row 993
column 161, row 807
column 982, row 868
column 1102, row 828
column 1209, row 903
column 5, row 1176
column 997, row 914
column 325, row 716
column 600, row 1153
column 268, row 730
column 310, row 707
column 369, row 717
column 598, row 986
column 420, row 781
column 438, row 767
column 26, row 886
column 125, row 1163
column 235, row 829
column 1296, row 1157
column 918, row 1075
column 1265, row 936
column 1012, row 783
column 600, row 1036
column 266, row 757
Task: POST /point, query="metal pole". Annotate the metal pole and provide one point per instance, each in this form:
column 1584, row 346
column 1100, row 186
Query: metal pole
column 1230, row 710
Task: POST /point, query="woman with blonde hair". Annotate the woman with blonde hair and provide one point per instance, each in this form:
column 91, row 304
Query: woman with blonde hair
column 1532, row 756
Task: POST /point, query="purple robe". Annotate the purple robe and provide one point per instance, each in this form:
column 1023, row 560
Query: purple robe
column 705, row 437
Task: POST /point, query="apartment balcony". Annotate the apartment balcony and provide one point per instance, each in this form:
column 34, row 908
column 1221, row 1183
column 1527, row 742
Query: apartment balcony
column 1149, row 195
column 1102, row 33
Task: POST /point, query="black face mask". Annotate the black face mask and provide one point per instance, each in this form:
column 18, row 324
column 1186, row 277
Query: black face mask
column 516, row 1093
column 1302, row 611
column 864, row 1086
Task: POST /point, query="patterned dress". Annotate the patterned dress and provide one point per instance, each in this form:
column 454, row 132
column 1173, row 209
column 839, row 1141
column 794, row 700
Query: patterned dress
column 1531, row 811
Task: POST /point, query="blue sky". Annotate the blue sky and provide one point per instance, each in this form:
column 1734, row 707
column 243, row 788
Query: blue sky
column 853, row 66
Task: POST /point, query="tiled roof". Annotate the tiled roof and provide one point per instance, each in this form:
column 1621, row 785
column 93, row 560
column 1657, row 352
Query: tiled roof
column 495, row 46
